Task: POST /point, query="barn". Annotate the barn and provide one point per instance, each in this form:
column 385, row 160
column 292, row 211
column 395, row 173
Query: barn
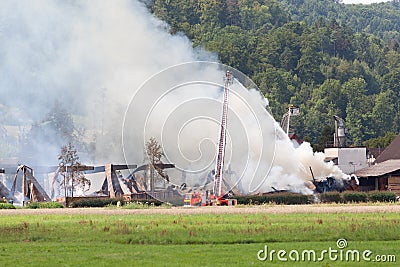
column 384, row 174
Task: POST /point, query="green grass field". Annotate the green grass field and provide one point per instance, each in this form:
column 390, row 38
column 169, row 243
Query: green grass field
column 192, row 240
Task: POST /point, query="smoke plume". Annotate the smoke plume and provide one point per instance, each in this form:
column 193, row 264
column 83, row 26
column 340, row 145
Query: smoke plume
column 94, row 59
column 89, row 56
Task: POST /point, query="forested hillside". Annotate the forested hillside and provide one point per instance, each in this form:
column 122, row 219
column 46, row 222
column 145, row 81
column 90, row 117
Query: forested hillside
column 326, row 67
column 380, row 19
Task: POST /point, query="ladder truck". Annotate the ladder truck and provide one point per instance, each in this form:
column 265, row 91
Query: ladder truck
column 216, row 198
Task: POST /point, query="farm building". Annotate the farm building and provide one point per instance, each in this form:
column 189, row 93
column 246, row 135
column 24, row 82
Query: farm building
column 348, row 159
column 385, row 173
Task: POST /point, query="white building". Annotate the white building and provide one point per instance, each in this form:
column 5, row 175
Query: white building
column 348, row 159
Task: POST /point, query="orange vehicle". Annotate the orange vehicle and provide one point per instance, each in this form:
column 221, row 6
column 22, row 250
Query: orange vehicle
column 192, row 199
column 198, row 199
column 226, row 202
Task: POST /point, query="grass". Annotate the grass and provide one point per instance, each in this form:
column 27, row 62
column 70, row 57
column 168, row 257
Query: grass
column 102, row 254
column 188, row 240
column 6, row 206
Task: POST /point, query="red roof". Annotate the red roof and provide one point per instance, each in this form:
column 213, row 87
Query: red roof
column 294, row 136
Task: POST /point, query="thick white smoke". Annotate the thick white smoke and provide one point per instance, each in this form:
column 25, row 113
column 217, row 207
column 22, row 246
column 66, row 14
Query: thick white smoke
column 181, row 107
column 89, row 55
column 92, row 56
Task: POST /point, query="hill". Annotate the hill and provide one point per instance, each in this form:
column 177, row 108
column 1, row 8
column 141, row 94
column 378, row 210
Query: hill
column 380, row 19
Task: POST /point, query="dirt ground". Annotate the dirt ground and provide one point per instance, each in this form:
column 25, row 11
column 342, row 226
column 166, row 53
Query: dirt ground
column 274, row 209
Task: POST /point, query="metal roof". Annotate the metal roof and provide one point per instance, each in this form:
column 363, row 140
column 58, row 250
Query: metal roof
column 380, row 169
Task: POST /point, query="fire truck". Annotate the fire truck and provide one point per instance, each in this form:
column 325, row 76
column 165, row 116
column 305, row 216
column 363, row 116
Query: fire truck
column 193, row 199
column 205, row 199
column 216, row 198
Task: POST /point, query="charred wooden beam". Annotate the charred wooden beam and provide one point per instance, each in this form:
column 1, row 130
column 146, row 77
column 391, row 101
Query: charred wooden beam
column 30, row 186
column 76, row 168
column 113, row 184
column 4, row 192
column 37, row 193
column 165, row 166
column 96, row 169
column 115, row 167
column 50, row 169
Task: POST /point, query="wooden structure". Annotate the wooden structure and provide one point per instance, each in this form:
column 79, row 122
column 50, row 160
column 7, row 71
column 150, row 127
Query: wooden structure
column 4, row 192
column 112, row 183
column 31, row 189
column 384, row 176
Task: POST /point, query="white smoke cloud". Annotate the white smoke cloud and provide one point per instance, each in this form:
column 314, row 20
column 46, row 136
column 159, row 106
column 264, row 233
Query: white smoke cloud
column 93, row 56
column 182, row 106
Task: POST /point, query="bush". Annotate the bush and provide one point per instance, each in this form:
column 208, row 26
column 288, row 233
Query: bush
column 382, row 196
column 278, row 198
column 6, row 206
column 95, row 202
column 44, row 205
column 355, row 197
column 330, row 197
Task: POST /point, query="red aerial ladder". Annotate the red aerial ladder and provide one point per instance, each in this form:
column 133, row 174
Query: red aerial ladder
column 216, row 198
column 219, row 164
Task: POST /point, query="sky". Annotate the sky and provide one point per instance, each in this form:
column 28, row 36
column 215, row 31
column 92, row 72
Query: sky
column 365, row 2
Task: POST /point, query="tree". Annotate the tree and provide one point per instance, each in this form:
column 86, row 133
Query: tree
column 393, row 60
column 384, row 113
column 61, row 121
column 154, row 153
column 73, row 178
column 308, row 67
column 354, row 89
column 391, row 81
column 381, row 142
column 212, row 13
column 326, row 138
column 354, row 124
column 233, row 46
column 274, row 86
column 232, row 9
column 41, row 144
